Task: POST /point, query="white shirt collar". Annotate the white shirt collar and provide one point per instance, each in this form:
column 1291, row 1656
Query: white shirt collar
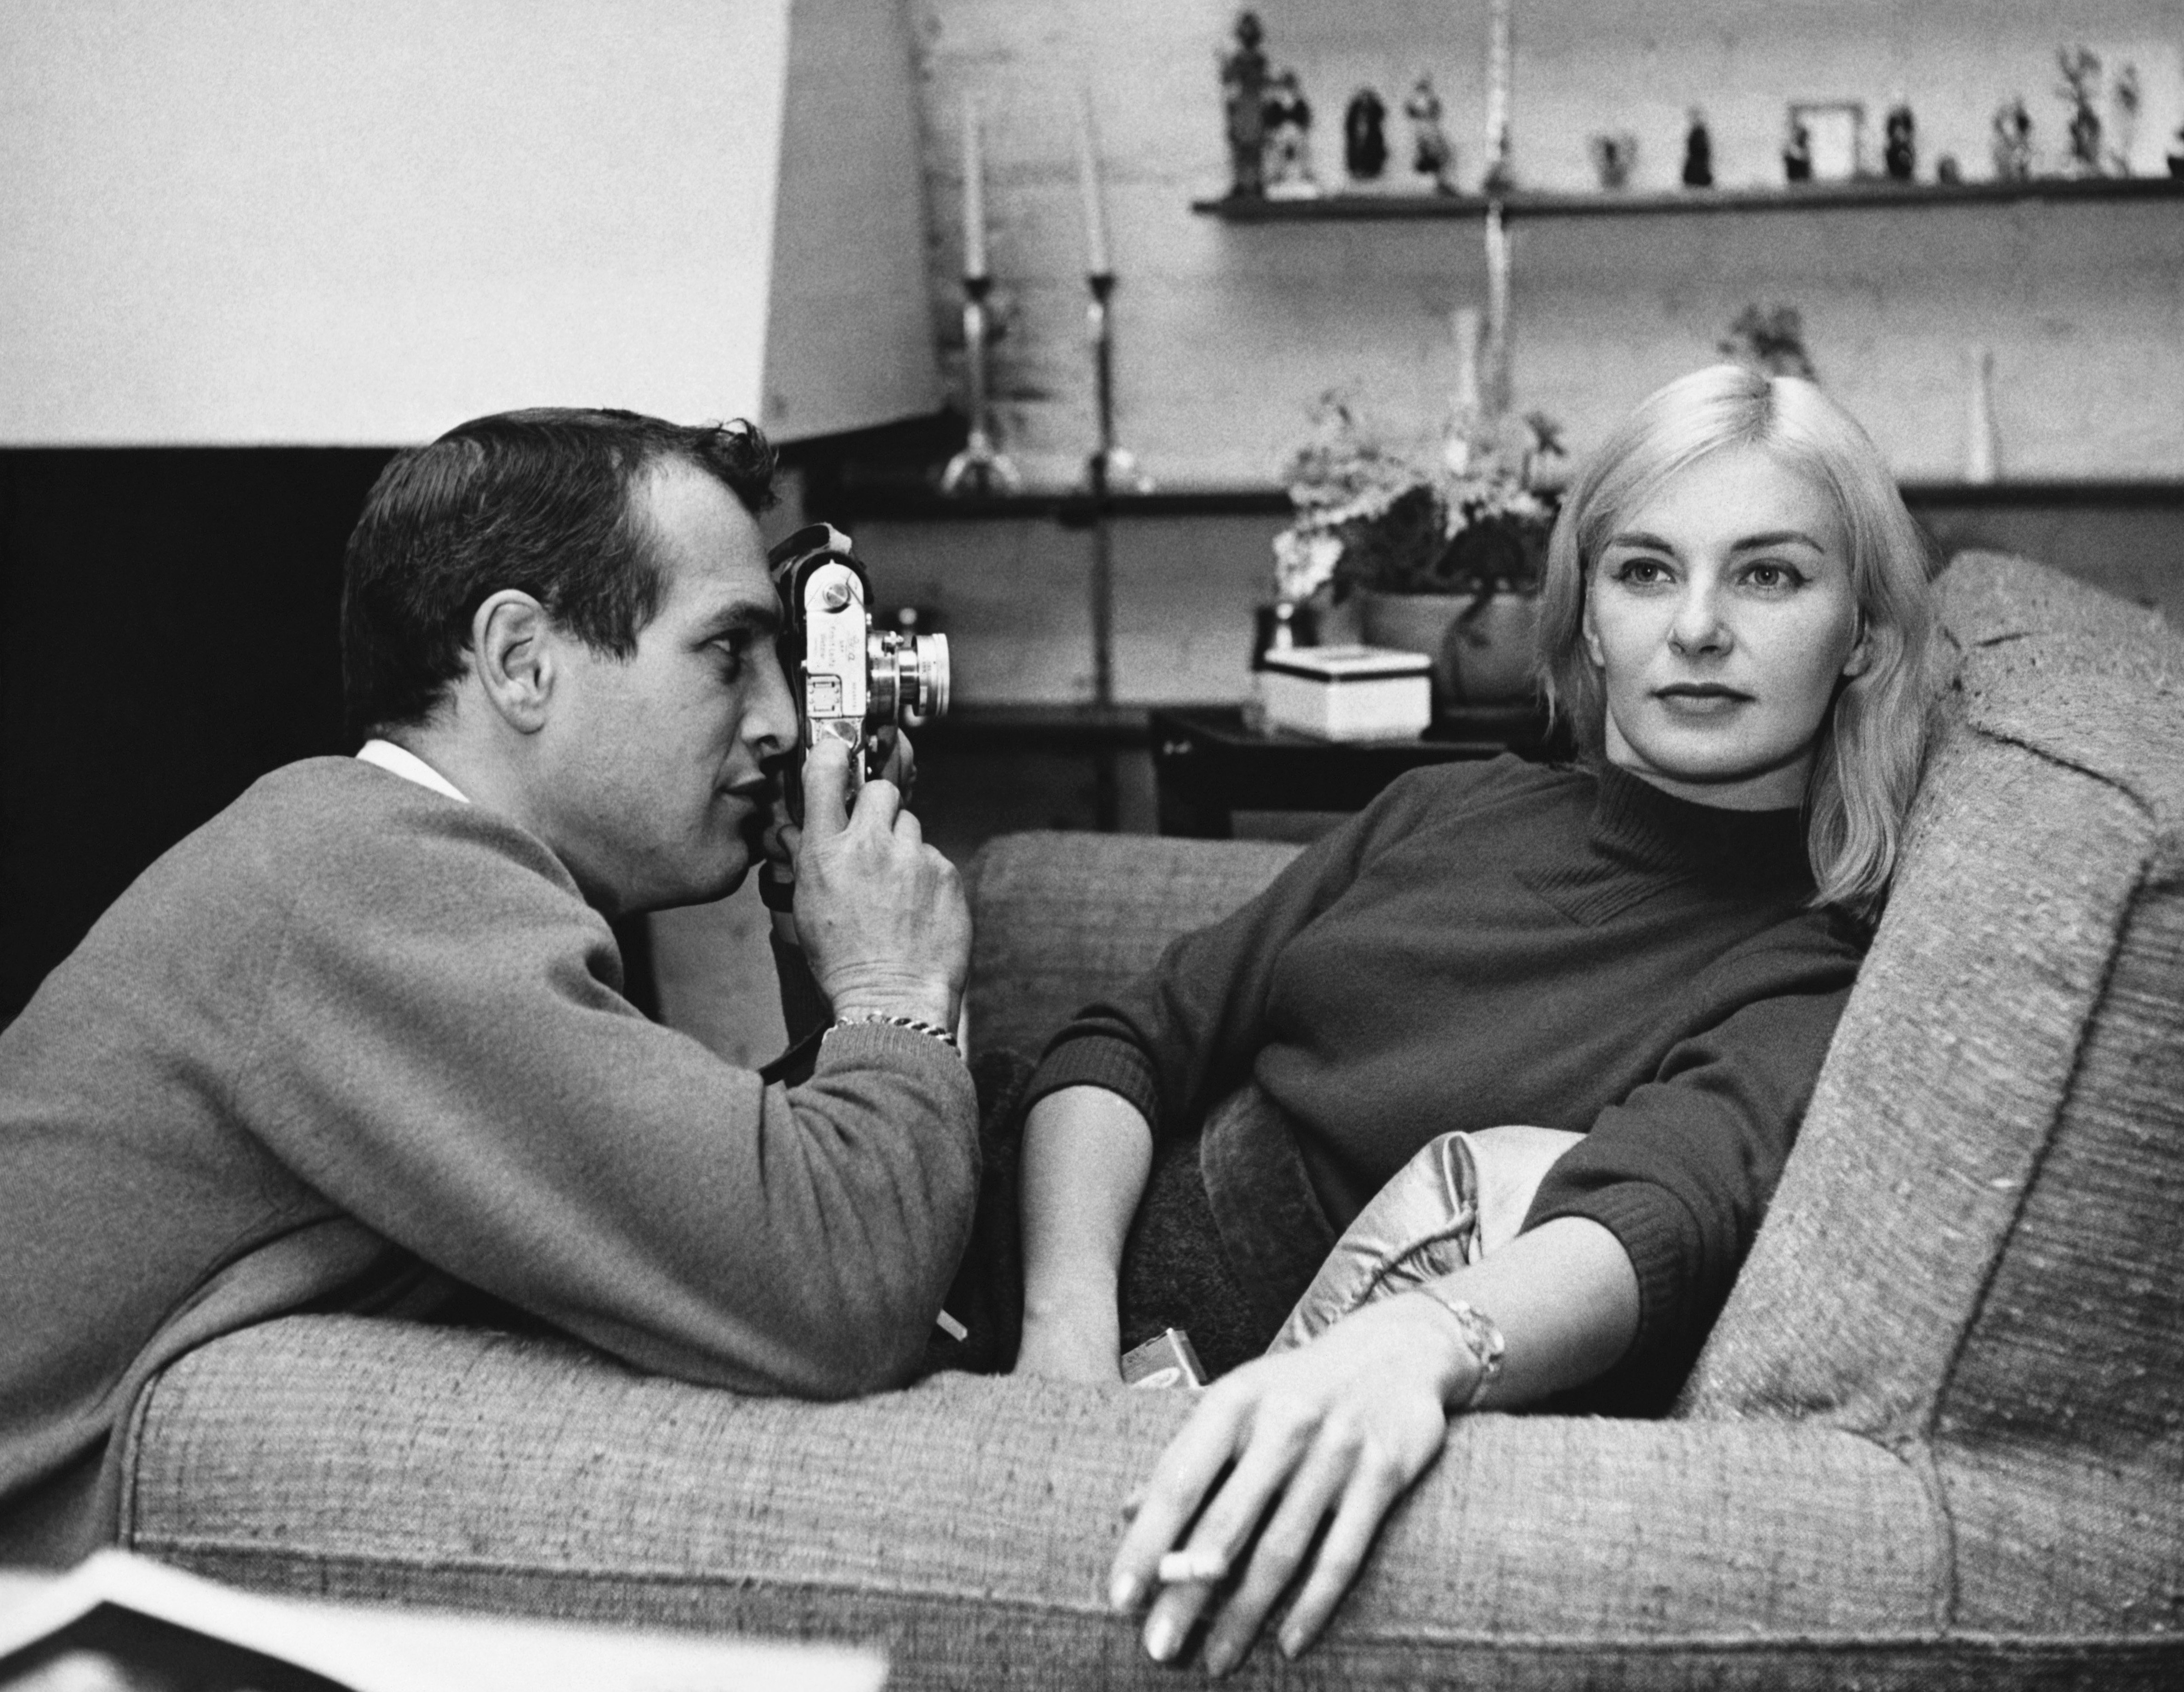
column 399, row 761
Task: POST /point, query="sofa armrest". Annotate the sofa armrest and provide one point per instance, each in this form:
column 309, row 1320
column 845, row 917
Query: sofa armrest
column 1059, row 919
column 965, row 1525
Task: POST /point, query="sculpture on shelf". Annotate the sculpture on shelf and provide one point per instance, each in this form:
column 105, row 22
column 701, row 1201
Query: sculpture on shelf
column 1364, row 138
column 1243, row 103
column 1899, row 151
column 2123, row 118
column 2013, row 140
column 1798, row 151
column 1946, row 169
column 2081, row 81
column 1431, row 152
column 1614, row 156
column 1288, row 118
column 1698, row 153
column 1770, row 339
column 2176, row 154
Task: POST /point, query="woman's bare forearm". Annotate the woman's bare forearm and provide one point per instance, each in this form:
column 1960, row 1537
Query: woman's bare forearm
column 1565, row 1298
column 1087, row 1152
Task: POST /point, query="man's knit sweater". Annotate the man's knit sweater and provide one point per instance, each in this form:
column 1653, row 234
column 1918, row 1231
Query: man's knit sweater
column 1503, row 942
column 353, row 1045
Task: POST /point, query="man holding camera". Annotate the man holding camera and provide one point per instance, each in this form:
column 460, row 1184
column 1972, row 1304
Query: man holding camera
column 360, row 1043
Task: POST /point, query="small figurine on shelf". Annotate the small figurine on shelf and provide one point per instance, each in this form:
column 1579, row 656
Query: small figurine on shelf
column 1769, row 339
column 2176, row 155
column 1899, row 151
column 2123, row 118
column 1614, row 156
column 2081, row 81
column 1946, row 169
column 1288, row 118
column 1698, row 153
column 1364, row 138
column 2013, row 140
column 1432, row 153
column 1797, row 152
column 1244, row 101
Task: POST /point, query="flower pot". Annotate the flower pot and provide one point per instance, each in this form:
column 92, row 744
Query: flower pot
column 1481, row 647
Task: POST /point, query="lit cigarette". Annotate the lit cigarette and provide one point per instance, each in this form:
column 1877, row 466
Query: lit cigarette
column 1178, row 1567
column 949, row 1326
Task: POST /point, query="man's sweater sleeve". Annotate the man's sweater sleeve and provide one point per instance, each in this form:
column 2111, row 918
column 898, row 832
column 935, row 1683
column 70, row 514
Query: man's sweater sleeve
column 443, row 1052
column 1186, row 1033
column 1682, row 1170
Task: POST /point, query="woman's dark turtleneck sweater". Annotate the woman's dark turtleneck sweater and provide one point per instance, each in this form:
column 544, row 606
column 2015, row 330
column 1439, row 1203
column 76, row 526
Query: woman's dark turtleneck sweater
column 1501, row 943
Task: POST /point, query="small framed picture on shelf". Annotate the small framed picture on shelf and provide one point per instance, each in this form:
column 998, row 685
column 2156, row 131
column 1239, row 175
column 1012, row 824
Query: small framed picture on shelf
column 1833, row 132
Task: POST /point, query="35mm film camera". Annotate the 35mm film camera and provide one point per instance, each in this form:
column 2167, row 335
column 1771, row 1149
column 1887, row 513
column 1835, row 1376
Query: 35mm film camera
column 852, row 680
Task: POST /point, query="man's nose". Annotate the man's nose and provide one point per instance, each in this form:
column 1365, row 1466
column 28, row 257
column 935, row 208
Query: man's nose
column 770, row 724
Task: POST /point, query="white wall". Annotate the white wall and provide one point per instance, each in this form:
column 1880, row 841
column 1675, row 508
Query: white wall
column 1227, row 333
column 361, row 220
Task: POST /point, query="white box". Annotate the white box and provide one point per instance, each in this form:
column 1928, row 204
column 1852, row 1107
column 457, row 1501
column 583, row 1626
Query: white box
column 1347, row 693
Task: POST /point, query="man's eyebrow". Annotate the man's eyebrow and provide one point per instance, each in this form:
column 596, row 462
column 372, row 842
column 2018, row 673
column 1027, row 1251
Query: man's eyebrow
column 748, row 617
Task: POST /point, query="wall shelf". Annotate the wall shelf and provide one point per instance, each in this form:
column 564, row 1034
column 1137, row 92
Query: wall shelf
column 1860, row 196
column 1072, row 508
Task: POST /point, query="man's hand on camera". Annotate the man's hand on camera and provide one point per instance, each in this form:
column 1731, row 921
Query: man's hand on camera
column 881, row 913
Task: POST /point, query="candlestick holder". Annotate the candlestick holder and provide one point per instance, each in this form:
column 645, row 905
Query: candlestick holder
column 981, row 467
column 1111, row 468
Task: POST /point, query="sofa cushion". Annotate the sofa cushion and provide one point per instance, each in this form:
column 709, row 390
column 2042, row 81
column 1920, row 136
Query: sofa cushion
column 965, row 1526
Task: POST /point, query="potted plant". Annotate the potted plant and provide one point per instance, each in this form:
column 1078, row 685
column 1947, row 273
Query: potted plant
column 1444, row 550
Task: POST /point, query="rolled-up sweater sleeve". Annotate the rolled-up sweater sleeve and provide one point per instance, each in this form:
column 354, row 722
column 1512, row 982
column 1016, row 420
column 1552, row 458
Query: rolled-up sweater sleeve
column 1682, row 1170
column 443, row 1050
column 1187, row 1032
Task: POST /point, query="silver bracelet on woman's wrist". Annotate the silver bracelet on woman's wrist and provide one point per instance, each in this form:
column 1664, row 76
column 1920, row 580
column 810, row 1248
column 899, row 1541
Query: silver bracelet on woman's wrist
column 1481, row 1337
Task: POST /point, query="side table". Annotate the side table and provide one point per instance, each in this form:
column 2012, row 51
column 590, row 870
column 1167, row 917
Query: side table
column 1207, row 766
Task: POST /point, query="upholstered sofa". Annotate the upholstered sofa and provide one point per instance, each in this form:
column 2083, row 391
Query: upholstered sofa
column 1937, row 1440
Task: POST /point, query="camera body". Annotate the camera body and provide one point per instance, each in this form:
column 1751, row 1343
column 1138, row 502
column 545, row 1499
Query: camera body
column 853, row 682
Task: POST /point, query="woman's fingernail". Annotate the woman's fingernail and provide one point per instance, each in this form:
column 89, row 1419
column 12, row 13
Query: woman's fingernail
column 1163, row 1638
column 1125, row 1591
column 1291, row 1641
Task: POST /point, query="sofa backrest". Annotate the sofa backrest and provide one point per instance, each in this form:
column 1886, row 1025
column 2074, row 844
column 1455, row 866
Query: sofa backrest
column 1980, row 1240
column 1060, row 919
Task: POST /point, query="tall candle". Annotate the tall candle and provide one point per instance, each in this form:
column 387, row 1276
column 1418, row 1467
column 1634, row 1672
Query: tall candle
column 974, row 192
column 1087, row 186
column 1500, row 53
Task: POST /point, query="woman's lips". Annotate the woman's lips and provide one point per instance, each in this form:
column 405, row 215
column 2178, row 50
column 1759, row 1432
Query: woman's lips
column 1699, row 701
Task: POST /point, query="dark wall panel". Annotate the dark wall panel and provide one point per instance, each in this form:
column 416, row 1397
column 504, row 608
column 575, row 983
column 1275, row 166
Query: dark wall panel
column 168, row 624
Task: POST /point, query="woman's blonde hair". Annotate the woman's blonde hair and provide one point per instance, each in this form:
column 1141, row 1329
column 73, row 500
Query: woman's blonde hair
column 1874, row 740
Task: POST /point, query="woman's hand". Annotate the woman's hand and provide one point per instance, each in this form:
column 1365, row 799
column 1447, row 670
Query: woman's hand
column 1339, row 1428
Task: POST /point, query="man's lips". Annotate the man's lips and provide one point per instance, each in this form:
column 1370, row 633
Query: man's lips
column 759, row 790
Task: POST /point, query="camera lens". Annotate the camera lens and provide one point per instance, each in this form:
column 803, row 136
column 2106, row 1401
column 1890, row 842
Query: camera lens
column 926, row 673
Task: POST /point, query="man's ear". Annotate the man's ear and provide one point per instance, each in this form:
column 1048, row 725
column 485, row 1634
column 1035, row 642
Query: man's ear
column 513, row 658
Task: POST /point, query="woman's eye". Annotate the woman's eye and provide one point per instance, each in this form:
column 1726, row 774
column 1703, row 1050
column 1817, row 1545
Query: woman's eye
column 1642, row 573
column 1772, row 577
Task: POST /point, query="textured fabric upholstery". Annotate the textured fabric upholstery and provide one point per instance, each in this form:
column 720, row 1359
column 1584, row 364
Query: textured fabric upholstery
column 1062, row 919
column 967, row 1522
column 1937, row 1440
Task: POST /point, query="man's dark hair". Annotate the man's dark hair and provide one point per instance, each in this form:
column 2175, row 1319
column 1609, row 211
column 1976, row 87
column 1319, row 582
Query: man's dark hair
column 535, row 500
